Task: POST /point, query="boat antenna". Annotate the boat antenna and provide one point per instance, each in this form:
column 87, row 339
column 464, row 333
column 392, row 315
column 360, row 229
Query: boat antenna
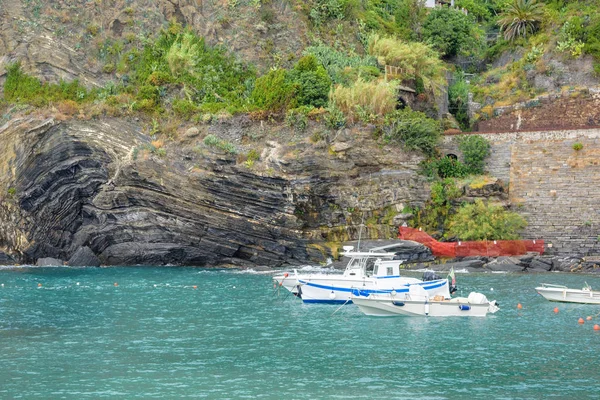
column 362, row 223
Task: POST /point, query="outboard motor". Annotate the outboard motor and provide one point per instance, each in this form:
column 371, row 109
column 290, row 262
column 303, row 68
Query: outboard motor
column 453, row 288
column 430, row 276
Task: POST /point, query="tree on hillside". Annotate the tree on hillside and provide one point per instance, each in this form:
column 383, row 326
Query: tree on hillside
column 520, row 18
column 451, row 32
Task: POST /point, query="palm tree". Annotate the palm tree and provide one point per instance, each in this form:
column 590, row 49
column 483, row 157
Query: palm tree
column 521, row 17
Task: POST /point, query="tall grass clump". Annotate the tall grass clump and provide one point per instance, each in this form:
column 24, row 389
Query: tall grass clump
column 376, row 98
column 415, row 60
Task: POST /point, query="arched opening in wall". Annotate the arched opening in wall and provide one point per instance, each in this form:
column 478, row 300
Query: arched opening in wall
column 401, row 103
column 452, row 156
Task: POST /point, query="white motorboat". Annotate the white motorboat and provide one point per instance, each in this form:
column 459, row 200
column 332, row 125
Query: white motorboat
column 375, row 271
column 563, row 294
column 418, row 303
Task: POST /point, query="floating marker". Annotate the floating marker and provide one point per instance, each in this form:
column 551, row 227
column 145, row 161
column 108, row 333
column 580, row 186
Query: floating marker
column 286, row 275
column 154, row 285
column 589, row 318
column 491, row 289
column 234, row 287
column 77, row 283
column 39, row 285
column 555, row 310
column 116, row 284
column 597, row 327
column 581, row 321
column 195, row 287
column 519, row 306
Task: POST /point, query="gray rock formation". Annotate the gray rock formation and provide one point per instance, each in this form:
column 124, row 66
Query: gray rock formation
column 48, row 262
column 84, row 257
column 98, row 184
column 5, row 259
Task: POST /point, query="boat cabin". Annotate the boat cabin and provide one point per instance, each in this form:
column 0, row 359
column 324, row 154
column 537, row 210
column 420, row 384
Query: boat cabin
column 372, row 264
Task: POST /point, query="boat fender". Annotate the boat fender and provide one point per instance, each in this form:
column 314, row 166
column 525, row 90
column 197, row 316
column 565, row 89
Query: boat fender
column 426, row 307
column 464, row 307
column 398, row 303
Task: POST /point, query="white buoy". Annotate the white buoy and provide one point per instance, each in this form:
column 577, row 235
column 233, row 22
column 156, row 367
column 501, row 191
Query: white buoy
column 491, row 289
column 234, row 287
column 77, row 283
column 393, row 293
column 332, row 295
column 154, row 285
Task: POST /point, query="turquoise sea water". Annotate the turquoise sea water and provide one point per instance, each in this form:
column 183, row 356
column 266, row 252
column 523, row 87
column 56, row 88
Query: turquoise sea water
column 79, row 336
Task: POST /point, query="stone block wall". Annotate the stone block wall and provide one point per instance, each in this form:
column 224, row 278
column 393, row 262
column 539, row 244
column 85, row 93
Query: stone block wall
column 554, row 186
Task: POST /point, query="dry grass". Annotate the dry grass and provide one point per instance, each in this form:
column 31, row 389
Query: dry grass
column 376, row 97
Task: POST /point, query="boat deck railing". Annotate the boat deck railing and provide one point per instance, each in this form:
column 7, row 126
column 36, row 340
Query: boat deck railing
column 549, row 285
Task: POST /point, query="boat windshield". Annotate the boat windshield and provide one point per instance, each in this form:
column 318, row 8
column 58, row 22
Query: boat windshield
column 369, row 266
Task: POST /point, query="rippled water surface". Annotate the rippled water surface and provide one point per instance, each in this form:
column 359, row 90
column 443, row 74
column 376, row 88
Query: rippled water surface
column 153, row 335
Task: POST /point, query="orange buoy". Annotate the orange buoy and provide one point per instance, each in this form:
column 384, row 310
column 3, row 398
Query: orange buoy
column 555, row 310
column 39, row 285
column 286, row 275
column 581, row 321
column 519, row 306
column 195, row 287
column 589, row 318
column 116, row 284
column 280, row 283
column 597, row 327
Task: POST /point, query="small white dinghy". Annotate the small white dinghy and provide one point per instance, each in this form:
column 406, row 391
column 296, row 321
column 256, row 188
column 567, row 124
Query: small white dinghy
column 417, row 303
column 566, row 295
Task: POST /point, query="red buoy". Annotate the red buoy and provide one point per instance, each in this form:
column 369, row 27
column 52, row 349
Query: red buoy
column 195, row 287
column 286, row 275
column 589, row 318
column 581, row 321
column 597, row 327
column 555, row 310
column 519, row 306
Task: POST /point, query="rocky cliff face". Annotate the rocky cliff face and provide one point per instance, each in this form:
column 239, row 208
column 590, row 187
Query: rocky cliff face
column 101, row 184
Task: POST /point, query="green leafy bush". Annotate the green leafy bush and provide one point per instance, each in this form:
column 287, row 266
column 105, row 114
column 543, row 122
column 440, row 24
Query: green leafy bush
column 414, row 130
column 458, row 99
column 452, row 33
column 444, row 167
column 274, row 91
column 475, row 150
column 335, row 118
column 435, row 215
column 485, row 221
column 409, row 16
column 312, row 82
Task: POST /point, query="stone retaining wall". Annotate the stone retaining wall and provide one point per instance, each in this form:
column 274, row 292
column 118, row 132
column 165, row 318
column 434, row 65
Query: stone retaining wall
column 552, row 185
